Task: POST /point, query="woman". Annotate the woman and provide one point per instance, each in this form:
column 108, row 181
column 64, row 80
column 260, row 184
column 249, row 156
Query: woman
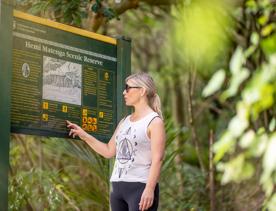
column 138, row 143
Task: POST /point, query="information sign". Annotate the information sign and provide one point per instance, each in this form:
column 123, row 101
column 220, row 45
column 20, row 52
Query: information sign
column 62, row 73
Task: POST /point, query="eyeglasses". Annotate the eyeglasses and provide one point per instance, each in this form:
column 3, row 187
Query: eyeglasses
column 127, row 87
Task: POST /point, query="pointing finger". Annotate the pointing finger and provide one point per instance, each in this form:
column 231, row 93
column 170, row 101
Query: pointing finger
column 70, row 133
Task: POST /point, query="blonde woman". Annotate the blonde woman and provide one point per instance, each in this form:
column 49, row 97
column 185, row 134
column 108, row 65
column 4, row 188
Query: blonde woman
column 138, row 144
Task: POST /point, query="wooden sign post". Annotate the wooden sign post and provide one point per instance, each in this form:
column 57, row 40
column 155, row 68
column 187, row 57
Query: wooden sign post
column 5, row 97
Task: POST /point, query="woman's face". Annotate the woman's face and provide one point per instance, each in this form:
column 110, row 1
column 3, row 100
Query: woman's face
column 132, row 93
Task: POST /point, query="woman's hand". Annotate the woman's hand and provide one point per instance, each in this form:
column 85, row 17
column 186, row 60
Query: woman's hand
column 146, row 199
column 76, row 130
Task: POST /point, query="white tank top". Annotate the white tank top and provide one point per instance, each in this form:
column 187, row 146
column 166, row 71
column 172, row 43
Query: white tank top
column 133, row 150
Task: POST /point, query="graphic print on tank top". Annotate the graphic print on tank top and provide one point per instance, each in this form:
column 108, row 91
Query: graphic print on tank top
column 126, row 151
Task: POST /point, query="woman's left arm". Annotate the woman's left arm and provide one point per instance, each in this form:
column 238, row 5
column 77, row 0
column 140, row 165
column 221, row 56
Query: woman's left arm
column 156, row 133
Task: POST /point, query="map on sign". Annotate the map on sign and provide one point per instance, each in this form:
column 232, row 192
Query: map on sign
column 59, row 75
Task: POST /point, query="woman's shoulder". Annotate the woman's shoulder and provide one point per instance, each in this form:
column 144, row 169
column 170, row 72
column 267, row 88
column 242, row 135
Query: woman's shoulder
column 153, row 115
column 157, row 120
column 154, row 120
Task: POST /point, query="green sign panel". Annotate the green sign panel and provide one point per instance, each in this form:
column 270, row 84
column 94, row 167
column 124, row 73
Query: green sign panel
column 59, row 74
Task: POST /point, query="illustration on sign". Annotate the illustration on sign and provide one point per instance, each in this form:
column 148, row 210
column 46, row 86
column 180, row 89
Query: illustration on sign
column 26, row 70
column 61, row 81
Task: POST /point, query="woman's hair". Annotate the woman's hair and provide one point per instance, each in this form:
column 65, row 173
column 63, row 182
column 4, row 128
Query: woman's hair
column 145, row 80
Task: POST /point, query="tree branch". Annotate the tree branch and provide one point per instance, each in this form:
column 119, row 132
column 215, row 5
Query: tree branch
column 95, row 20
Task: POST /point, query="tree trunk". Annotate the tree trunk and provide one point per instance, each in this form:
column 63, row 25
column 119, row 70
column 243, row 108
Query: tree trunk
column 192, row 124
column 179, row 117
column 211, row 173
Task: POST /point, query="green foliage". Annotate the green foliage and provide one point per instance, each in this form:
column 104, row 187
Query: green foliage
column 96, row 7
column 215, row 83
column 171, row 134
column 181, row 195
column 249, row 136
column 34, row 186
column 258, row 96
column 106, row 11
column 56, row 174
column 193, row 194
column 63, row 11
column 109, row 13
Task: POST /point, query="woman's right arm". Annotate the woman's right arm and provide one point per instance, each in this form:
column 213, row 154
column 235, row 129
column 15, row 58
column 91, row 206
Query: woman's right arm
column 106, row 150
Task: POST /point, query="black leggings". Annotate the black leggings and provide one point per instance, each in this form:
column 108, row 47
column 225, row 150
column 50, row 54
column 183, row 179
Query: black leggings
column 125, row 196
